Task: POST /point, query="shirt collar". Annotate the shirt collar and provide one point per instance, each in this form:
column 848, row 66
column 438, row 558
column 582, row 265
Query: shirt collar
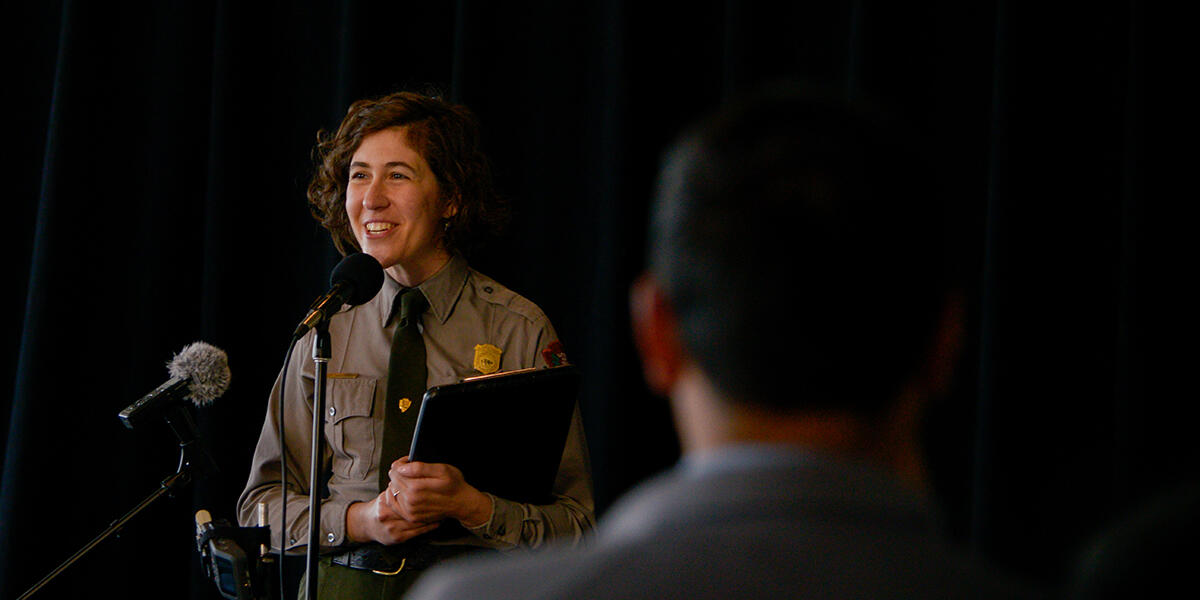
column 442, row 290
column 745, row 456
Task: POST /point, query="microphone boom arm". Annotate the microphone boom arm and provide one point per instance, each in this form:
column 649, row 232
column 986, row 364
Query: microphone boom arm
column 169, row 485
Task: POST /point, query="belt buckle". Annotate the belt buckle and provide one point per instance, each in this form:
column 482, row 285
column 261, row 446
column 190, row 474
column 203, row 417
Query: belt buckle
column 389, row 574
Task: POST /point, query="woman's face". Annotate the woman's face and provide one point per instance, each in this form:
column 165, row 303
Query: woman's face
column 395, row 207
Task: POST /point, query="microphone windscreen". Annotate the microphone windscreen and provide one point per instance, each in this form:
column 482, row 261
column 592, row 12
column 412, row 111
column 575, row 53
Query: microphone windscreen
column 362, row 273
column 203, row 517
column 205, row 367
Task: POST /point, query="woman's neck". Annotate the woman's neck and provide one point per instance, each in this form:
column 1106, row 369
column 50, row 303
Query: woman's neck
column 419, row 271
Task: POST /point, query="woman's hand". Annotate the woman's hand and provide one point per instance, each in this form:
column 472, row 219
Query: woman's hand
column 377, row 521
column 427, row 492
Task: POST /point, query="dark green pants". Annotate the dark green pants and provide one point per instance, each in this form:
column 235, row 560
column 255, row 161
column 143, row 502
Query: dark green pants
column 335, row 582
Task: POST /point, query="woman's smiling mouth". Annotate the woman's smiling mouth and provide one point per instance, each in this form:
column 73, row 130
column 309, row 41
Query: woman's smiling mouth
column 376, row 227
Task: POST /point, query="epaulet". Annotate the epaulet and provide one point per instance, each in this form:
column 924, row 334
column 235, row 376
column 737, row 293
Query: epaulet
column 494, row 293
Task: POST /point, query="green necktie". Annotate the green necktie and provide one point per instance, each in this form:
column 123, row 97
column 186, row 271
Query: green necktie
column 406, row 380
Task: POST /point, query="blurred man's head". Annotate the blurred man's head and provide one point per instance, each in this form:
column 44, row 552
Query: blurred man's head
column 799, row 245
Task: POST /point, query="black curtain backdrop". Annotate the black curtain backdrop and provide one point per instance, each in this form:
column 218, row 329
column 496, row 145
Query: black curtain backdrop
column 157, row 155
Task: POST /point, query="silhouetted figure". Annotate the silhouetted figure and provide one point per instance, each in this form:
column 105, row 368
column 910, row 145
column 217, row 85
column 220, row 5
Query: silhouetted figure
column 799, row 311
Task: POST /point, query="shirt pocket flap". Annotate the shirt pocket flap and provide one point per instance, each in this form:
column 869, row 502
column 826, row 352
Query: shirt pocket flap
column 350, row 398
column 350, row 426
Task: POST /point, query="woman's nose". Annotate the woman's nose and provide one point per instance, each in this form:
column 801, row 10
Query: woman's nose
column 375, row 196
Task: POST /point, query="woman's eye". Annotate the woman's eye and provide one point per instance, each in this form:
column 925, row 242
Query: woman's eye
column 399, row 176
column 358, row 175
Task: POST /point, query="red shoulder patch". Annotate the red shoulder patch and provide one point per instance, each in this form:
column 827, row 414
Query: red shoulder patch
column 554, row 355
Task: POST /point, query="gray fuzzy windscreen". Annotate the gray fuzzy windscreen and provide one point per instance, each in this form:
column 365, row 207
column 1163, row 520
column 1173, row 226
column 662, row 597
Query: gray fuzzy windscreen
column 207, row 369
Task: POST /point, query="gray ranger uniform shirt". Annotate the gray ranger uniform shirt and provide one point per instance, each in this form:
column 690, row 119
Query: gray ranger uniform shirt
column 466, row 309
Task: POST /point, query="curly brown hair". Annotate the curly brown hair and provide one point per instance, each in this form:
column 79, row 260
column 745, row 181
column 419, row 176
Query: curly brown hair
column 446, row 135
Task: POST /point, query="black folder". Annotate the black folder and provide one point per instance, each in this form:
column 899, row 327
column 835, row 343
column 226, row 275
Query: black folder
column 505, row 432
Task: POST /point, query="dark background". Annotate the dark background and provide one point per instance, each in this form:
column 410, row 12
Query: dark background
column 157, row 154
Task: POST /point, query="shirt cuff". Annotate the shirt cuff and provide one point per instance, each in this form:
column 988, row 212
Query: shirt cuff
column 504, row 526
column 333, row 526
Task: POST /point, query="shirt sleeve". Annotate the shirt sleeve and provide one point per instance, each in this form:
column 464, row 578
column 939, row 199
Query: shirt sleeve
column 265, row 471
column 572, row 513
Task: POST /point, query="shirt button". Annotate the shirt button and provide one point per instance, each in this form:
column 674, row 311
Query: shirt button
column 330, row 537
column 292, row 541
column 332, row 411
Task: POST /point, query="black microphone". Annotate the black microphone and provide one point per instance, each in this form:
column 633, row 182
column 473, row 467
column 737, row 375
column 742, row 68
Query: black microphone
column 353, row 281
column 237, row 572
column 199, row 373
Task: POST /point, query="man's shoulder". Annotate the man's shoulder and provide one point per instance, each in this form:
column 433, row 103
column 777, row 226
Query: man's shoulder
column 727, row 567
column 688, row 535
column 545, row 573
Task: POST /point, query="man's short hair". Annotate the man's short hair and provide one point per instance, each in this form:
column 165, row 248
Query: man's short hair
column 801, row 241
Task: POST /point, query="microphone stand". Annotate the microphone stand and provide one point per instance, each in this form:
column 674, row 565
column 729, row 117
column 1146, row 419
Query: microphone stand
column 182, row 476
column 320, row 354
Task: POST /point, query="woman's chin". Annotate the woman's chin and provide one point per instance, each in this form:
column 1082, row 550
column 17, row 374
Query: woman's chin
column 385, row 258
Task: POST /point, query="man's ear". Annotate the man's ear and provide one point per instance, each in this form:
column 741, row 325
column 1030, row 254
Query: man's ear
column 938, row 371
column 656, row 334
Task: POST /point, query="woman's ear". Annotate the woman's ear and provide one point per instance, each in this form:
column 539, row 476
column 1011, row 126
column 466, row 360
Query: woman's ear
column 451, row 208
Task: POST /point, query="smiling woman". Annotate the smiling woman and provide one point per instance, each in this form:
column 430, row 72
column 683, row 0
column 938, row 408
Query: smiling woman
column 395, row 207
column 443, row 136
column 404, row 180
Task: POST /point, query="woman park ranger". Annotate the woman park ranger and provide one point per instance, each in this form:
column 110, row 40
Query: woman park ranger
column 404, row 180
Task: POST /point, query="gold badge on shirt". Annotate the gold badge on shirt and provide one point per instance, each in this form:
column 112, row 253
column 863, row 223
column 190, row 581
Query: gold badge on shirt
column 487, row 358
column 405, row 404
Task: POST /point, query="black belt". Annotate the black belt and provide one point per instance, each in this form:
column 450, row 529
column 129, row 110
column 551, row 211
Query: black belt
column 391, row 560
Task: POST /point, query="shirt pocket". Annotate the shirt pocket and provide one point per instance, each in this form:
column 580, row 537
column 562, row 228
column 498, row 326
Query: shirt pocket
column 350, row 427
